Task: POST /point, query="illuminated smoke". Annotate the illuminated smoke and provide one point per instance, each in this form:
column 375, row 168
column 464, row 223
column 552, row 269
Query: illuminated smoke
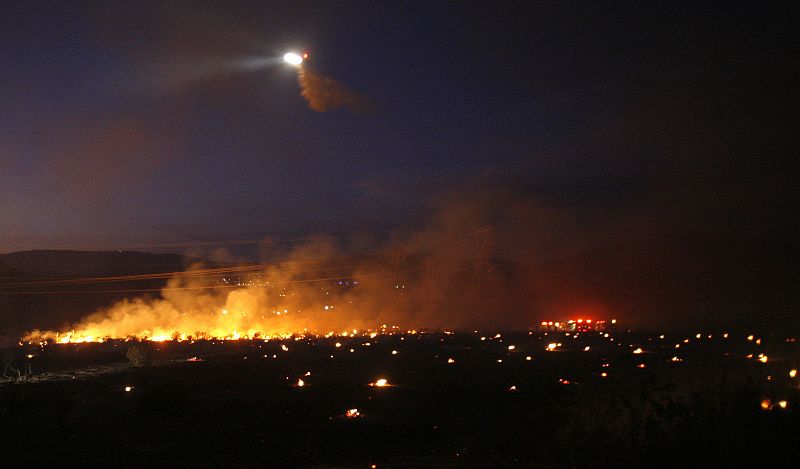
column 416, row 282
column 444, row 276
column 324, row 93
column 280, row 302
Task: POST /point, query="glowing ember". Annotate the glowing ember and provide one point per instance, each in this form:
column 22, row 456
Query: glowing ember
column 301, row 383
column 512, row 388
column 380, row 383
column 638, row 350
column 352, row 413
column 128, row 388
column 792, row 373
column 766, row 404
column 451, row 360
column 763, row 358
column 529, row 358
column 511, row 347
column 552, row 346
column 782, row 404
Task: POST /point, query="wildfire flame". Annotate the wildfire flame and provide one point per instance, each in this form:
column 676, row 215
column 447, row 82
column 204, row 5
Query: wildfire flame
column 279, row 305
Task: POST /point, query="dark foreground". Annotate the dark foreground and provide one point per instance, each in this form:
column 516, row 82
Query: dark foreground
column 241, row 407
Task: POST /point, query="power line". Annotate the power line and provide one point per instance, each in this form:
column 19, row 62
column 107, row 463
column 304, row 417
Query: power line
column 168, row 275
column 199, row 287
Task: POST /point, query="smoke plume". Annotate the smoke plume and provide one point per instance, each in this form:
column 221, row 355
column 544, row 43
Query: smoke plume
column 324, row 93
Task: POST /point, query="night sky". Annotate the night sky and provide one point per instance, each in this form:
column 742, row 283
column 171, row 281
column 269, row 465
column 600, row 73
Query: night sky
column 139, row 122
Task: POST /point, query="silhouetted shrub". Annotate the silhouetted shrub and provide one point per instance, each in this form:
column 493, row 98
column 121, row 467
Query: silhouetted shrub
column 139, row 355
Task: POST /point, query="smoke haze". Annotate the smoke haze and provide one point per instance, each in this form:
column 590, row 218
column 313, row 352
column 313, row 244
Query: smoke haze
column 479, row 262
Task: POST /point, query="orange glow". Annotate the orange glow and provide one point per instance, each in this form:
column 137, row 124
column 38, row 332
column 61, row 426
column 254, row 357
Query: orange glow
column 380, row 383
column 280, row 304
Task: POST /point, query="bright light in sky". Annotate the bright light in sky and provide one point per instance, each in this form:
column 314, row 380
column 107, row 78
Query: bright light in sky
column 293, row 58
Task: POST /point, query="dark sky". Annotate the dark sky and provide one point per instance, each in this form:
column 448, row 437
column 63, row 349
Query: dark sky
column 135, row 123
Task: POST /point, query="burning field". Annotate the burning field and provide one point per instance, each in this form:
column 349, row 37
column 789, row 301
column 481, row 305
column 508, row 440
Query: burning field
column 398, row 398
column 431, row 352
